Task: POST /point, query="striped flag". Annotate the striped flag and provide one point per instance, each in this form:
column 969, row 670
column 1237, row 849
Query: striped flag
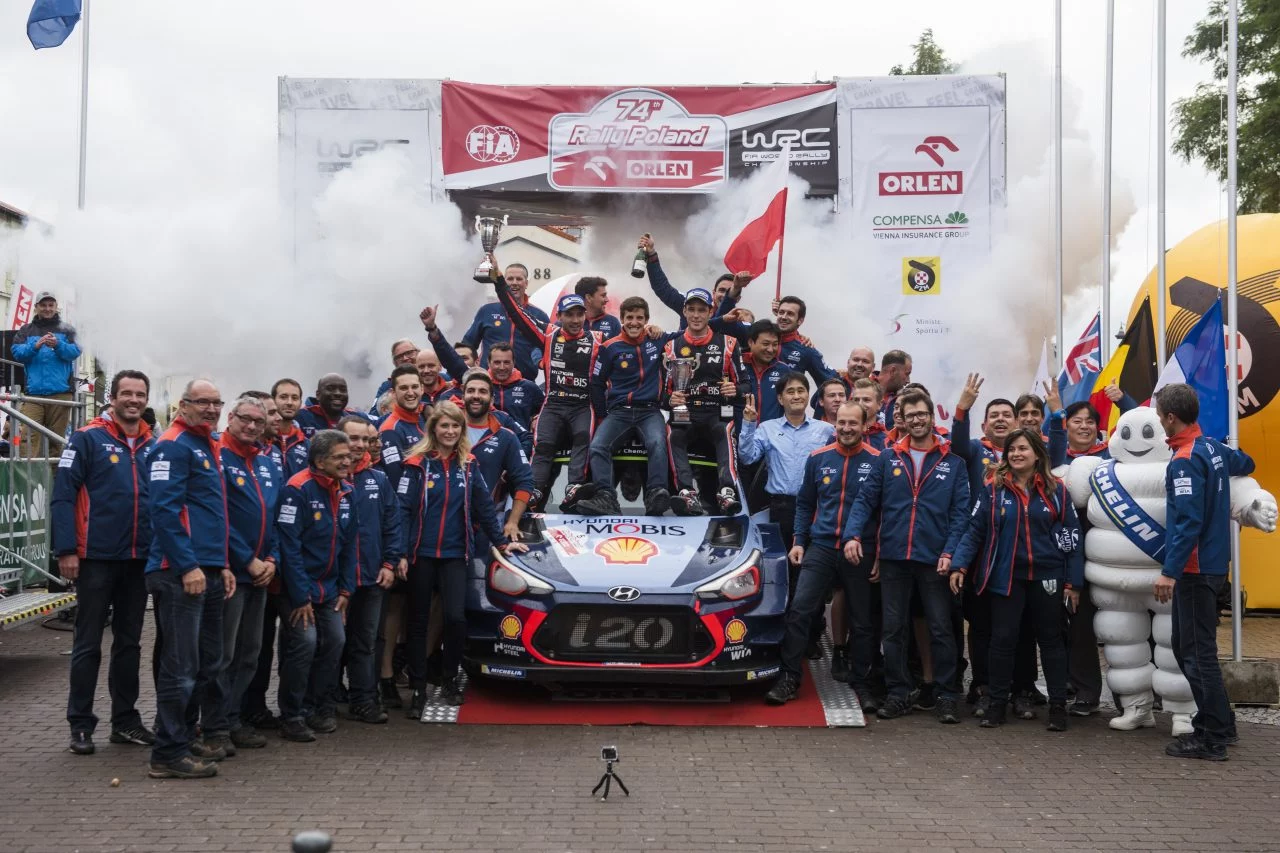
column 1132, row 367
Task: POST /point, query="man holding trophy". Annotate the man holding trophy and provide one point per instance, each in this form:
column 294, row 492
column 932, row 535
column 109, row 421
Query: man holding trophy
column 491, row 325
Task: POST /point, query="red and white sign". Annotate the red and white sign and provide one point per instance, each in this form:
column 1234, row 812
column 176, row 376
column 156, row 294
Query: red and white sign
column 22, row 304
column 940, row 182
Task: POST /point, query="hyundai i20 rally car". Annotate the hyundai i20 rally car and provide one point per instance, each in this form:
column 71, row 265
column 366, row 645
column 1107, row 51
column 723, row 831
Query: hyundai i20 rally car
column 631, row 599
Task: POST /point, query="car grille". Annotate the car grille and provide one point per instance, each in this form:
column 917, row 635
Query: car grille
column 609, row 633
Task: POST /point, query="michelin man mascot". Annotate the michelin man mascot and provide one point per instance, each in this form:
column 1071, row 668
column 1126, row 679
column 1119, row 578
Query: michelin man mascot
column 1124, row 553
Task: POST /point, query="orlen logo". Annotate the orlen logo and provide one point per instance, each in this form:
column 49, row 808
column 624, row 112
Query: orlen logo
column 947, row 182
column 492, row 143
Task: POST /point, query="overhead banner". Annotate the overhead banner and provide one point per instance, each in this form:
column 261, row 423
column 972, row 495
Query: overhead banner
column 640, row 139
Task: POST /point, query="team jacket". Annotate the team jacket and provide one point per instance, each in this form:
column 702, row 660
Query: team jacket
column 1198, row 523
column 503, row 462
column 188, row 500
column 606, row 325
column 398, row 432
column 440, row 500
column 763, row 382
column 444, row 389
column 1013, row 535
column 99, row 509
column 493, row 324
column 293, row 448
column 832, row 477
column 379, row 534
column 979, row 454
column 922, row 513
column 518, row 397
column 254, row 481
column 568, row 362
column 876, row 435
column 798, row 353
column 318, row 532
column 313, row 418
column 720, row 359
column 627, row 373
column 667, row 294
column 48, row 369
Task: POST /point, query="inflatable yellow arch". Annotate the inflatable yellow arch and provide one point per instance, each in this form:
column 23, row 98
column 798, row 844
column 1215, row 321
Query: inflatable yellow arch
column 1196, row 271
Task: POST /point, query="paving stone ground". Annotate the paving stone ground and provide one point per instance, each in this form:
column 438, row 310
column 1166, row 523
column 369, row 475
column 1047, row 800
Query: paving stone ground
column 909, row 784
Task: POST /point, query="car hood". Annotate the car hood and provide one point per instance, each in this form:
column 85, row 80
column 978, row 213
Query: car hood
column 649, row 553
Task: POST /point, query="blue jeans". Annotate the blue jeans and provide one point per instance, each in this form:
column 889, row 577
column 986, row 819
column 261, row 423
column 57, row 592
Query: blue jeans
column 190, row 655
column 897, row 580
column 1027, row 602
column 822, row 567
column 241, row 643
column 620, row 421
column 118, row 587
column 309, row 656
column 1195, row 645
column 364, row 613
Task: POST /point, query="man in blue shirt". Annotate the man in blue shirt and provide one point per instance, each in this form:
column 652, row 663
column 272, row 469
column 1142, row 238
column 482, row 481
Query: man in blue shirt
column 492, row 325
column 48, row 350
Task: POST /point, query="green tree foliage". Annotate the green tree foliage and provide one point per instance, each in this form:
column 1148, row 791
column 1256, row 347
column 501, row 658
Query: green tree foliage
column 929, row 58
column 1200, row 121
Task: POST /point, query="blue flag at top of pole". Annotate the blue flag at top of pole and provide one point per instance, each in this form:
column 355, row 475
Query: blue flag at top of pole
column 1201, row 362
column 51, row 21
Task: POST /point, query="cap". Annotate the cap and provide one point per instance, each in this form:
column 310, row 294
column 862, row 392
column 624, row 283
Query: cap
column 43, row 295
column 699, row 293
column 570, row 300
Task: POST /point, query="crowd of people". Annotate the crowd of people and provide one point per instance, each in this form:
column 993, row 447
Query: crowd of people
column 334, row 544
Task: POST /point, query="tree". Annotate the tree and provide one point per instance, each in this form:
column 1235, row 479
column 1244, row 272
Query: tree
column 1200, row 121
column 929, row 58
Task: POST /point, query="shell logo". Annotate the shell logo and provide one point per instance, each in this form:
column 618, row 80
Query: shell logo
column 317, row 516
column 627, row 550
column 114, row 459
column 510, row 627
column 735, row 631
column 686, row 351
column 897, row 472
column 239, row 481
column 826, row 481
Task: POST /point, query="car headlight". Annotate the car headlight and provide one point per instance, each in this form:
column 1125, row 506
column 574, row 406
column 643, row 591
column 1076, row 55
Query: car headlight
column 509, row 579
column 739, row 583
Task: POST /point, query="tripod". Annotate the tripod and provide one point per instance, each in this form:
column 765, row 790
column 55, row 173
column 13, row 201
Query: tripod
column 606, row 780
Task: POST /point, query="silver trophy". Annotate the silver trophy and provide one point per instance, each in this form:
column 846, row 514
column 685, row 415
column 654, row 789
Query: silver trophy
column 681, row 371
column 489, row 228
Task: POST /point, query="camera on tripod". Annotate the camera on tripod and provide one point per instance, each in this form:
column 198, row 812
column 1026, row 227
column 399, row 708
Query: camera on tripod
column 608, row 753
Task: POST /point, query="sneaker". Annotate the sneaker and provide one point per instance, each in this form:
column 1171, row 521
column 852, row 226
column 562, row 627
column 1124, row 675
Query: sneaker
column 974, row 694
column 603, row 502
column 657, row 502
column 367, row 713
column 893, row 707
column 536, row 500
column 926, row 697
column 866, row 700
column 686, row 503
column 222, row 742
column 247, row 737
column 632, row 483
column 577, row 493
column 1232, row 738
column 840, row 663
column 1037, row 698
column 727, row 500
column 1191, row 746
column 139, row 735
column 82, row 743
column 995, row 715
column 1057, row 717
column 417, row 705
column 983, row 706
column 783, row 690
column 186, row 767
column 205, row 749
column 451, row 692
column 296, row 731
column 389, row 694
column 947, row 711
column 262, row 719
column 1024, row 707
column 1082, row 708
column 323, row 723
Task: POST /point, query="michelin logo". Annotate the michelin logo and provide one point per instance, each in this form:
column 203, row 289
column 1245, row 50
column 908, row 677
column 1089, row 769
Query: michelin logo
column 501, row 671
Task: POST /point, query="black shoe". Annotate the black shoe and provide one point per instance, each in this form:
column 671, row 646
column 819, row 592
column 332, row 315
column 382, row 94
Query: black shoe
column 657, row 502
column 247, row 737
column 222, row 742
column 983, row 706
column 603, row 502
column 186, row 767
column 995, row 715
column 840, row 663
column 1081, row 708
column 727, row 500
column 296, row 731
column 139, row 735
column 813, row 651
column 1037, row 698
column 947, row 711
column 451, row 692
column 926, row 697
column 207, row 750
column 82, row 743
column 367, row 713
column 537, row 500
column 632, row 483
column 975, row 693
column 263, row 719
column 417, row 705
column 576, row 494
column 389, row 694
column 1024, row 707
column 1057, row 717
column 325, row 724
column 686, row 503
column 783, row 690
column 894, row 707
column 1232, row 738
column 1191, row 746
column 866, row 700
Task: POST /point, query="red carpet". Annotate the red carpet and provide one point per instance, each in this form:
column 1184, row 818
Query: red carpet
column 488, row 704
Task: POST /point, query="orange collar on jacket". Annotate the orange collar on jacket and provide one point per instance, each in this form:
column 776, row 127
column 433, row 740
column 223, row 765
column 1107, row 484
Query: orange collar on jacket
column 515, row 377
column 1186, row 438
column 239, row 448
column 109, row 424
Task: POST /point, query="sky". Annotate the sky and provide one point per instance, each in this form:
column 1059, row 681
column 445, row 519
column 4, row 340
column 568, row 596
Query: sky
column 183, row 96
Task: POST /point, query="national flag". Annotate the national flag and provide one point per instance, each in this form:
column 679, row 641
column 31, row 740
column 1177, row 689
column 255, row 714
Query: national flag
column 750, row 249
column 51, row 21
column 1081, row 366
column 1042, row 372
column 1132, row 366
column 1201, row 362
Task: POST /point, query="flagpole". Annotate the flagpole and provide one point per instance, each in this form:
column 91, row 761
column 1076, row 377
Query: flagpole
column 1161, row 272
column 782, row 242
column 1104, row 338
column 84, row 98
column 1057, row 175
column 1233, row 344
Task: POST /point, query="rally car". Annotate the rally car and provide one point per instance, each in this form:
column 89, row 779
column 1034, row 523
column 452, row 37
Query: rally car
column 631, row 598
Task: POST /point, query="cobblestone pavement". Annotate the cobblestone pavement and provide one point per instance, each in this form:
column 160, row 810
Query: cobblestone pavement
column 909, row 784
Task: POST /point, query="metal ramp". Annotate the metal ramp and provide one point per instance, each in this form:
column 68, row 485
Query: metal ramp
column 24, row 605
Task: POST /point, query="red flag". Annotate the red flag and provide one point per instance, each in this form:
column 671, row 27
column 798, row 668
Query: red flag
column 750, row 249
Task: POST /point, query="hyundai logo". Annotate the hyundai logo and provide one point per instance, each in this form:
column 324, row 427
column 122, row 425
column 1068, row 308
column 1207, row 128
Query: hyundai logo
column 624, row 593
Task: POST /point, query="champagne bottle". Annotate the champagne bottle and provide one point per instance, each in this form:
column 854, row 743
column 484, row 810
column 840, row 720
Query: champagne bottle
column 639, row 265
